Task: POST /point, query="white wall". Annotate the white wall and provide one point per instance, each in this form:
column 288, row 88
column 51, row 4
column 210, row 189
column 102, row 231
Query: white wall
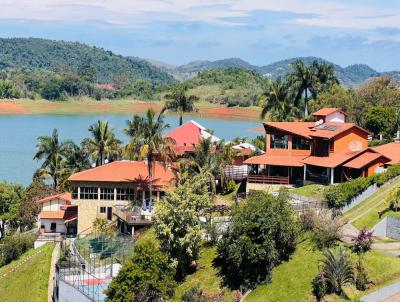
column 335, row 117
column 53, row 205
column 60, row 228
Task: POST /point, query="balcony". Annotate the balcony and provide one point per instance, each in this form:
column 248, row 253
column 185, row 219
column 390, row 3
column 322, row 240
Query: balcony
column 133, row 216
column 262, row 179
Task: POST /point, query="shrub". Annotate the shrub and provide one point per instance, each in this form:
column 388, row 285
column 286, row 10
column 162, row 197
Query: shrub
column 194, row 294
column 326, row 230
column 230, row 186
column 147, row 276
column 363, row 242
column 12, row 247
column 342, row 194
column 262, row 233
column 361, row 277
column 319, row 286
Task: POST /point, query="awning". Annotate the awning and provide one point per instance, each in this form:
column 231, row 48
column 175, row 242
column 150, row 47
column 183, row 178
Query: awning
column 276, row 160
column 362, row 160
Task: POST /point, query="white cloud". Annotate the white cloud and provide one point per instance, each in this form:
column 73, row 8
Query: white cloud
column 326, row 13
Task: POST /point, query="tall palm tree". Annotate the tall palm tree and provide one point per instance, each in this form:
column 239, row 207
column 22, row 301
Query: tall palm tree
column 77, row 158
column 147, row 141
column 102, row 144
column 337, row 269
column 276, row 100
column 179, row 102
column 52, row 152
column 326, row 75
column 302, row 79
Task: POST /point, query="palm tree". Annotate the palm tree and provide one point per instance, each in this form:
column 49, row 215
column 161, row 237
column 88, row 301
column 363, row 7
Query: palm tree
column 276, row 100
column 103, row 143
column 337, row 270
column 179, row 102
column 302, row 79
column 52, row 152
column 326, row 75
column 77, row 158
column 148, row 142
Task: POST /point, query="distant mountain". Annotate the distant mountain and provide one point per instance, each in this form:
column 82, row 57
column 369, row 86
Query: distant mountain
column 352, row 75
column 54, row 56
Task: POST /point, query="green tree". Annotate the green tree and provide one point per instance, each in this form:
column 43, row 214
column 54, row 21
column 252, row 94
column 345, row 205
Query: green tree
column 53, row 90
column 11, row 196
column 102, row 144
column 382, row 120
column 262, row 233
column 7, row 90
column 179, row 102
column 147, row 141
column 325, row 74
column 77, row 158
column 276, row 100
column 146, row 277
column 177, row 224
column 52, row 152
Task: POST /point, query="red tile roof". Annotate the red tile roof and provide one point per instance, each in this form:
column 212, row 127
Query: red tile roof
column 391, row 151
column 362, row 160
column 126, row 171
column 62, row 215
column 338, row 128
column 328, row 111
column 276, row 160
column 186, row 135
column 299, row 128
column 332, row 161
column 66, row 196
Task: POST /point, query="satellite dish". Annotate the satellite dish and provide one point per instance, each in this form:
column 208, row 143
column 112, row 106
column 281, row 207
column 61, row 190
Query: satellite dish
column 355, row 146
column 106, row 161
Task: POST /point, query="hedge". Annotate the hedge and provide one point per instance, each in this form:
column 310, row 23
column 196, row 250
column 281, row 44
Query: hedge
column 12, row 247
column 338, row 196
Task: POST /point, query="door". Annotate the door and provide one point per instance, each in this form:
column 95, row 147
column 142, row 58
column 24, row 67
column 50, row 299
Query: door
column 109, row 213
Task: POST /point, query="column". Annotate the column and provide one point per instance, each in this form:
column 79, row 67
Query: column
column 158, row 195
column 304, row 173
column 115, row 194
column 98, row 193
column 332, row 175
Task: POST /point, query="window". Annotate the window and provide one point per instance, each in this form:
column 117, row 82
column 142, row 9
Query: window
column 107, row 193
column 103, row 210
column 89, row 193
column 74, row 193
column 300, row 143
column 53, row 226
column 125, row 194
column 279, row 141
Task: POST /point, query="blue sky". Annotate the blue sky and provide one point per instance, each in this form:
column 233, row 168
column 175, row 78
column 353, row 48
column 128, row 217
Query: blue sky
column 179, row 31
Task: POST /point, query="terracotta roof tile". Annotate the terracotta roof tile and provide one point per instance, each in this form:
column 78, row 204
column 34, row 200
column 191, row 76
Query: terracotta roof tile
column 66, row 196
column 276, row 160
column 52, row 214
column 391, row 151
column 299, row 128
column 328, row 111
column 331, row 161
column 362, row 160
column 126, row 171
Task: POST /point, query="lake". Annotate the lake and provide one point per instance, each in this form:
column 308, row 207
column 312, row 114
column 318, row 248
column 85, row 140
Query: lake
column 19, row 132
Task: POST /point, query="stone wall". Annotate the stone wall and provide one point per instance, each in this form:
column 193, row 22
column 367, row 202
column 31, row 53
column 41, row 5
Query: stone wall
column 388, row 227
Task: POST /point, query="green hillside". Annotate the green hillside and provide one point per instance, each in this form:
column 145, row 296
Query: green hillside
column 57, row 56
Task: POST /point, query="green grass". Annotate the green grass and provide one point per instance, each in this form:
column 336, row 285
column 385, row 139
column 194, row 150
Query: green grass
column 29, row 281
column 230, row 196
column 313, row 191
column 206, row 277
column 291, row 280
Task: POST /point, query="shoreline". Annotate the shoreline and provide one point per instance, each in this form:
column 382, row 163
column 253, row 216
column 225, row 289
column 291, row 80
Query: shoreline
column 124, row 106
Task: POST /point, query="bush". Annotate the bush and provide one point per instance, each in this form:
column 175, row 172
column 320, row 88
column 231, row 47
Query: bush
column 262, row 234
column 319, row 286
column 361, row 277
column 363, row 242
column 12, row 247
column 194, row 294
column 230, row 186
column 342, row 194
column 326, row 230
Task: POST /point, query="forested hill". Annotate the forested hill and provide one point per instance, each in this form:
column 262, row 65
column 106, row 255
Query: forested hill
column 352, row 75
column 57, row 56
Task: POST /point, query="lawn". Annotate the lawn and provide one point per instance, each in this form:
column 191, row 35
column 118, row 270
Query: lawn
column 206, row 277
column 315, row 191
column 291, row 281
column 29, row 280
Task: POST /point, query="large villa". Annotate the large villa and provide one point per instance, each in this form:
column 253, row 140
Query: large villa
column 327, row 150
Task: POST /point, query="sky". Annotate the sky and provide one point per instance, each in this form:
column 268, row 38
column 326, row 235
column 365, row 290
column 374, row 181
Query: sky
column 180, row 31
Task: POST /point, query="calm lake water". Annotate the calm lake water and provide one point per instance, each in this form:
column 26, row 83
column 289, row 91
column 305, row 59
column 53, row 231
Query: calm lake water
column 18, row 136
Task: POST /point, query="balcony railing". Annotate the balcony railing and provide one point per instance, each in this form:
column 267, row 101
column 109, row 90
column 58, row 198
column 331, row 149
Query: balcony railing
column 132, row 217
column 279, row 180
